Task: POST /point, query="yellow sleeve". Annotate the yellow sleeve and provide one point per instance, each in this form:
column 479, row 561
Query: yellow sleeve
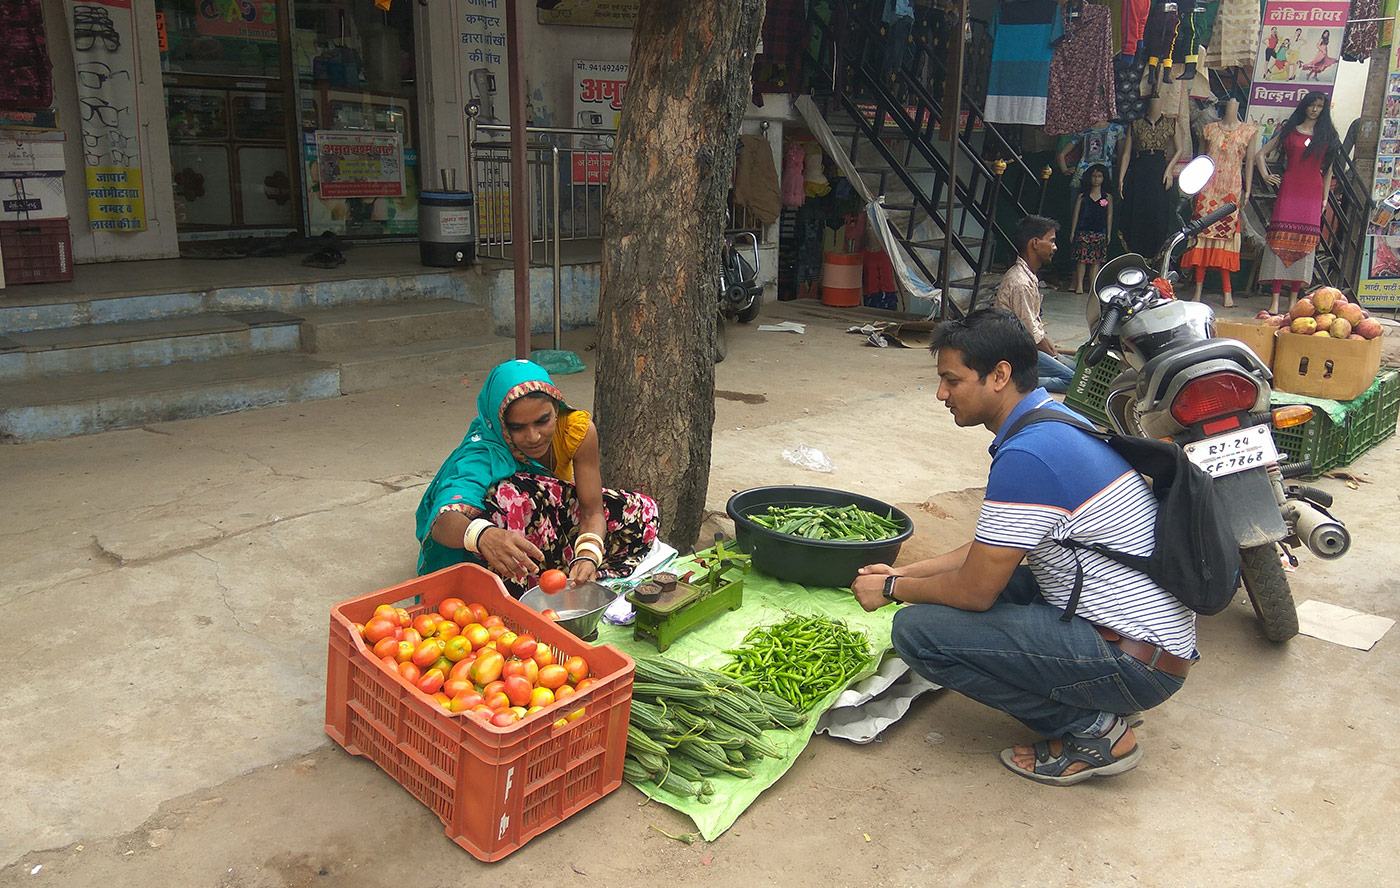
column 568, row 435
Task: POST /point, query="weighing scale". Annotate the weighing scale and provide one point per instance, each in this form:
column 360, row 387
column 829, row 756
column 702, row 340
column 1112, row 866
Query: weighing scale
column 666, row 608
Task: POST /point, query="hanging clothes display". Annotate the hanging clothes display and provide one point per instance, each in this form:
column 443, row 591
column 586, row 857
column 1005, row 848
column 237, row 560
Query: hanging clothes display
column 1023, row 33
column 779, row 68
column 1219, row 245
column 26, row 75
column 1362, row 38
column 1098, row 146
column 1127, row 85
column 1147, row 196
column 1134, row 21
column 756, row 179
column 1295, row 226
column 1235, row 39
column 1081, row 71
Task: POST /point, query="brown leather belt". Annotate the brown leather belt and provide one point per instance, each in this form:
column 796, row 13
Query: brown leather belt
column 1146, row 652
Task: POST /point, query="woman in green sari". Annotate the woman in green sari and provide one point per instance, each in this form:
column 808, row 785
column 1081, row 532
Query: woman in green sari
column 523, row 491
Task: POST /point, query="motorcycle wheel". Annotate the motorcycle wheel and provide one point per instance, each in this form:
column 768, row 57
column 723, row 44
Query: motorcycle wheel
column 1267, row 585
column 721, row 340
column 748, row 314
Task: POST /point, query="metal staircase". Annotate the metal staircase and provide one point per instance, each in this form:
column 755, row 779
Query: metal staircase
column 889, row 100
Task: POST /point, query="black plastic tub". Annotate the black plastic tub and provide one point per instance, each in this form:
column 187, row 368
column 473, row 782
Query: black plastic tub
column 810, row 562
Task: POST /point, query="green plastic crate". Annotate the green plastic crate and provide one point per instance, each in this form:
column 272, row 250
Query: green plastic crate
column 1319, row 441
column 1088, row 390
column 1374, row 415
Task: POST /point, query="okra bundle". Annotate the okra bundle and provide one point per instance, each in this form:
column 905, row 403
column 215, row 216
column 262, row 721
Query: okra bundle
column 848, row 523
column 690, row 724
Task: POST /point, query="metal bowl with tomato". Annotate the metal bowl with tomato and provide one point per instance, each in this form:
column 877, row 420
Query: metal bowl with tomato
column 579, row 607
column 805, row 561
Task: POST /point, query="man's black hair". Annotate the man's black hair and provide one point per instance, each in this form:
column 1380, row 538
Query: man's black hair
column 1032, row 227
column 987, row 337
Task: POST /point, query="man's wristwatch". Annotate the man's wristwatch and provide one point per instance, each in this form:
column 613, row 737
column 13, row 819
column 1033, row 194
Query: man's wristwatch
column 889, row 588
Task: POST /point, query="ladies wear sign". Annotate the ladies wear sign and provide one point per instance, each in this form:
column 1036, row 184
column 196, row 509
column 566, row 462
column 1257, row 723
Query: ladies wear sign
column 1298, row 53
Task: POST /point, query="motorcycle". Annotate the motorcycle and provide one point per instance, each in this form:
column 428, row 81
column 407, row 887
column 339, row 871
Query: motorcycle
column 740, row 295
column 1212, row 397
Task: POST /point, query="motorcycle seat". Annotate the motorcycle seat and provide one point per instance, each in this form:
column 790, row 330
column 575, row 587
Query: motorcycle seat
column 1157, row 375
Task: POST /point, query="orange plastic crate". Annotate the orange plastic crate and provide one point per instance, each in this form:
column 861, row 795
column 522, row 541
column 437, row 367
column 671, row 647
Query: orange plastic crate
column 493, row 788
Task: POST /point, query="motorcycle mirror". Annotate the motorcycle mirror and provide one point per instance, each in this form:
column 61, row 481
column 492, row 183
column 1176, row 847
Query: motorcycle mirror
column 1195, row 175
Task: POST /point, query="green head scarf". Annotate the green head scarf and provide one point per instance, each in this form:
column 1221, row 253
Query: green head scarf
column 484, row 457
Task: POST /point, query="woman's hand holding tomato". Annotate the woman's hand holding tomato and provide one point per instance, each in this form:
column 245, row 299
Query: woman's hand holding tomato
column 553, row 581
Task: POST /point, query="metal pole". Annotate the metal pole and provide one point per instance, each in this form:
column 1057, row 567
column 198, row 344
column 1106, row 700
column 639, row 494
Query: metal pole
column 554, row 216
column 948, row 130
column 519, row 185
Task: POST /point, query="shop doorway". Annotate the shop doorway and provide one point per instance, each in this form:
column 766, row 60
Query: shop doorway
column 290, row 116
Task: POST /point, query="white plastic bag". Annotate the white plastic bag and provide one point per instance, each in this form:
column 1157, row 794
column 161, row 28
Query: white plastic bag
column 810, row 458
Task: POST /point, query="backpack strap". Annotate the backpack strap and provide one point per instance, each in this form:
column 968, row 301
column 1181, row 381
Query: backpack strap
column 1050, row 414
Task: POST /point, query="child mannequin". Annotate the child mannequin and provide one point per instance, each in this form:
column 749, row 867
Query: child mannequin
column 1232, row 145
column 1090, row 225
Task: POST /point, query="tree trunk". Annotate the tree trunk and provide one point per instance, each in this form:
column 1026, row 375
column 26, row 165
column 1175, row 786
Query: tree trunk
column 688, row 85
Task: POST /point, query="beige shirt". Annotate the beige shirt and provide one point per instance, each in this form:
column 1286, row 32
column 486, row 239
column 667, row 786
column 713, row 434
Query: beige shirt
column 1019, row 293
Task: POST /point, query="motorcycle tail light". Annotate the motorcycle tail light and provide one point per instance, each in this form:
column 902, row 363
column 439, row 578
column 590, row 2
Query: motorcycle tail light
column 1214, row 395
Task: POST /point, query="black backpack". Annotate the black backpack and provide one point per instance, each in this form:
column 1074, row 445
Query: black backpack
column 1196, row 558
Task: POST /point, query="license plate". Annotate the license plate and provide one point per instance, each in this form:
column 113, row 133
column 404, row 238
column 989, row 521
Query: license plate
column 1234, row 452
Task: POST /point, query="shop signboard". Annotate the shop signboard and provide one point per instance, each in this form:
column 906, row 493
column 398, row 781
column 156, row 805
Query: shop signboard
column 599, row 88
column 481, row 52
column 355, row 163
column 1299, row 49
column 249, row 19
column 1380, row 279
column 104, row 56
column 597, row 13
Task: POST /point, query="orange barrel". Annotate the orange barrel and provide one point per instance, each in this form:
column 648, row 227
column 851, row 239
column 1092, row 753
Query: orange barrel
column 842, row 278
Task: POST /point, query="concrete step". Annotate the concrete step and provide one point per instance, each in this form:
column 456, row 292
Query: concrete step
column 368, row 369
column 95, row 348
column 95, row 402
column 341, row 330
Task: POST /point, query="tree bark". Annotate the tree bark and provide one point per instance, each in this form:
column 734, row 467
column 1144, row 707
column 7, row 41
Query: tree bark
column 688, row 84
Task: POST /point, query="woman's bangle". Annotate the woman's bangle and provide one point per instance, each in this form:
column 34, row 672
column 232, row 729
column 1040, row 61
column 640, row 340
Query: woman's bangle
column 474, row 531
column 586, row 537
column 577, row 558
column 589, row 546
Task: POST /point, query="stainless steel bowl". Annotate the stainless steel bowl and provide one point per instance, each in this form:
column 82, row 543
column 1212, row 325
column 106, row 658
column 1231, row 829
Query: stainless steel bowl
column 579, row 607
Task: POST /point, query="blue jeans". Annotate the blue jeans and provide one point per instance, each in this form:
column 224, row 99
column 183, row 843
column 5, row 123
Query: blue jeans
column 1018, row 656
column 1054, row 375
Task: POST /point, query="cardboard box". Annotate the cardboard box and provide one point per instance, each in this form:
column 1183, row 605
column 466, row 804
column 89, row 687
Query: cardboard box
column 30, row 197
column 1323, row 367
column 1258, row 335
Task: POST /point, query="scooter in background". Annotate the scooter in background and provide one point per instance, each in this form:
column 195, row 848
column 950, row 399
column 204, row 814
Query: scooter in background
column 1211, row 396
column 740, row 294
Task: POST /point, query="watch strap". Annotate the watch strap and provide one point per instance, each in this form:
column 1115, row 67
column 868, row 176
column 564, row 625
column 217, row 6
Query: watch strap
column 889, row 588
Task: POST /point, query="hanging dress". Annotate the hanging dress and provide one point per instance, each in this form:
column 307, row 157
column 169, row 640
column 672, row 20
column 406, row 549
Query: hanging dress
column 1219, row 245
column 1235, row 38
column 1024, row 33
column 1099, row 146
column 1361, row 39
column 1295, row 226
column 1147, row 203
column 1081, row 72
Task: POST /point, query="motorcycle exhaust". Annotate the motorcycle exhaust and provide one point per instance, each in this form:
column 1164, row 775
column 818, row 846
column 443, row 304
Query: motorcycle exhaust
column 1324, row 535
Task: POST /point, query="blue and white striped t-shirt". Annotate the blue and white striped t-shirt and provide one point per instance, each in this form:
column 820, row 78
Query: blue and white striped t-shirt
column 1052, row 481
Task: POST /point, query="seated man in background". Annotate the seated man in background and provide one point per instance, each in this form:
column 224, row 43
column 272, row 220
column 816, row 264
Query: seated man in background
column 1019, row 293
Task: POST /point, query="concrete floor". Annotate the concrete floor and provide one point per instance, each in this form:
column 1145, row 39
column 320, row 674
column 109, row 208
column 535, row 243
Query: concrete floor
column 166, row 595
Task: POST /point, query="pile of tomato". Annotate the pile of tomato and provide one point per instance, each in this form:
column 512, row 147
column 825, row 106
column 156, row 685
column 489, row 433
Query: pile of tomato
column 466, row 659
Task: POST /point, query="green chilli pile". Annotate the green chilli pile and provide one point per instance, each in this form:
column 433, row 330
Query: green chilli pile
column 846, row 523
column 801, row 659
column 691, row 724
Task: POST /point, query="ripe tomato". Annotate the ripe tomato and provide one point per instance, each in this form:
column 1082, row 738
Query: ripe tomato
column 360, row 629
column 471, row 700
column 387, row 611
column 496, row 632
column 390, row 662
column 447, row 630
column 405, row 620
column 578, row 669
column 386, row 647
column 541, row 697
column 378, row 629
column 504, row 641
column 519, row 711
column 563, row 693
column 455, row 686
column 448, row 607
column 462, row 669
column 496, row 687
column 497, row 701
column 553, row 677
column 492, row 620
column 479, row 612
column 487, row 667
column 575, row 715
column 457, row 648
column 582, row 685
column 463, row 616
column 425, row 624
column 552, row 581
column 532, row 671
column 442, row 663
column 504, row 719
column 430, row 682
column 427, row 652
column 544, row 655
column 405, row 652
column 412, row 636
column 513, row 667
column 410, row 672
column 456, row 705
column 523, row 647
column 444, row 700
column 518, row 690
column 550, row 614
column 477, row 634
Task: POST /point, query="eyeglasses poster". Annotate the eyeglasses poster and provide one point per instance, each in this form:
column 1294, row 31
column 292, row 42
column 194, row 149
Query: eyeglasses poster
column 104, row 56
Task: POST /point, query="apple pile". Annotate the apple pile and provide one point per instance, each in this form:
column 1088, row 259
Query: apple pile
column 1326, row 312
column 469, row 661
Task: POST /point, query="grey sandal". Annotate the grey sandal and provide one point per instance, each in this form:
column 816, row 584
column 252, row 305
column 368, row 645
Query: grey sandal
column 1096, row 752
